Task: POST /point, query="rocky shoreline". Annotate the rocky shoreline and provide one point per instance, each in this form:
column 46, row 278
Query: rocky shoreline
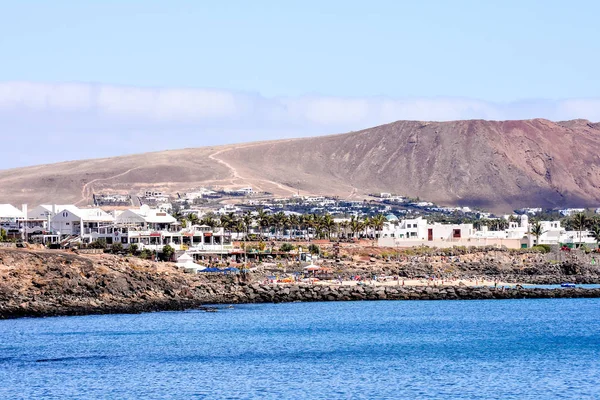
column 45, row 283
column 258, row 293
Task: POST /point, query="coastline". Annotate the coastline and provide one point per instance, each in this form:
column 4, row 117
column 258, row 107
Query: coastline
column 53, row 283
column 277, row 293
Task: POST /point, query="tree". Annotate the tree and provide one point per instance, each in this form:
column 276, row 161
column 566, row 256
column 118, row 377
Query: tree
column 367, row 223
column 146, row 254
column 240, row 226
column 180, row 218
column 378, row 221
column 279, row 221
column 580, row 222
column 167, row 252
column 355, row 225
column 537, row 231
column 116, row 248
column 344, row 225
column 209, row 220
column 248, row 221
column 294, row 221
column 328, row 224
column 98, row 244
column 193, row 218
column 286, row 247
column 133, row 249
column 3, row 235
column 262, row 246
column 263, row 220
column 314, row 249
column 596, row 234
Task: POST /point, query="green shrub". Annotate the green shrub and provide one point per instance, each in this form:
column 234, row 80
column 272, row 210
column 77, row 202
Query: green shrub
column 314, row 249
column 167, row 253
column 542, row 248
column 116, row 248
column 98, row 244
column 146, row 254
column 286, row 247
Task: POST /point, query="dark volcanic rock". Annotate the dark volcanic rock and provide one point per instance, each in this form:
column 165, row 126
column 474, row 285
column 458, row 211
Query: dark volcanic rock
column 47, row 283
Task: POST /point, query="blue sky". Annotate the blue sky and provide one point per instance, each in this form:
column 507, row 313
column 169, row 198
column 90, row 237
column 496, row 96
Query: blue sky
column 133, row 76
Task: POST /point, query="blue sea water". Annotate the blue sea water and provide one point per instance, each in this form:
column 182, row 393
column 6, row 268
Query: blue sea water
column 509, row 349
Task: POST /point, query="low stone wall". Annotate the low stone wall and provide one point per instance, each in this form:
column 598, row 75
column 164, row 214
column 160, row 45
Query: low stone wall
column 257, row 293
column 231, row 293
column 90, row 251
column 8, row 244
column 444, row 244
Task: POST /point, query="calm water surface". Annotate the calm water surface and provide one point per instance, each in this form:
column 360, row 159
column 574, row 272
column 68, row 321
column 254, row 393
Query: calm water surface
column 365, row 350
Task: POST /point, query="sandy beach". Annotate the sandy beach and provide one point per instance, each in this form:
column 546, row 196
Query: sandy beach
column 417, row 282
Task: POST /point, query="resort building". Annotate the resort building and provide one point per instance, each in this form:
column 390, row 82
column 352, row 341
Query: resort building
column 82, row 222
column 11, row 219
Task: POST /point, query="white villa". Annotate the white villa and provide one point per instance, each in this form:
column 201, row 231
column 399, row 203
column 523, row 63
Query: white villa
column 407, row 231
column 81, row 222
column 153, row 228
column 11, row 219
column 415, row 232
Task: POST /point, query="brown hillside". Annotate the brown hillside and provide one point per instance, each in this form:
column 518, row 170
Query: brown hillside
column 496, row 164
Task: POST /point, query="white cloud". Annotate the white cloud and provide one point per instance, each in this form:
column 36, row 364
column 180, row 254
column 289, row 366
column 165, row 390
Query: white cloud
column 45, row 122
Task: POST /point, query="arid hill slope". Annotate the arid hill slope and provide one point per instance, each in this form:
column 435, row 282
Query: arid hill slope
column 496, row 164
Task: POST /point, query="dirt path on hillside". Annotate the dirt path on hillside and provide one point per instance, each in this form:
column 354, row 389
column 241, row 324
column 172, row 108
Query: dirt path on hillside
column 235, row 175
column 87, row 190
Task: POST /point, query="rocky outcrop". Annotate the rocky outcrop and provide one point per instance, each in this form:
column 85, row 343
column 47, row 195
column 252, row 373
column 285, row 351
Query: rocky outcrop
column 257, row 293
column 49, row 283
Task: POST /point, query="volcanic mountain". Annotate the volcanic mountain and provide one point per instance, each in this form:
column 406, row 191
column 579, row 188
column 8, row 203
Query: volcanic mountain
column 500, row 165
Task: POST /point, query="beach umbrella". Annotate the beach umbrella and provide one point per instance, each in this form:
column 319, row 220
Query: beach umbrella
column 211, row 269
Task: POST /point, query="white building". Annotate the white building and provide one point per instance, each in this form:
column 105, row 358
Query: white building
column 12, row 219
column 414, row 229
column 39, row 218
column 567, row 212
column 81, row 222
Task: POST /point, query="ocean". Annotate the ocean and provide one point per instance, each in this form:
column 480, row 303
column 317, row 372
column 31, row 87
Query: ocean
column 509, row 349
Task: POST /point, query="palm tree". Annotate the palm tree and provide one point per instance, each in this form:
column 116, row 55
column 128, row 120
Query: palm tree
column 328, row 224
column 193, row 218
column 178, row 215
column 367, row 223
column 310, row 221
column 580, row 222
column 344, row 225
column 279, row 221
column 209, row 220
column 355, row 226
column 294, row 222
column 537, row 231
column 263, row 220
column 248, row 220
column 596, row 234
column 378, row 221
column 241, row 227
column 228, row 221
